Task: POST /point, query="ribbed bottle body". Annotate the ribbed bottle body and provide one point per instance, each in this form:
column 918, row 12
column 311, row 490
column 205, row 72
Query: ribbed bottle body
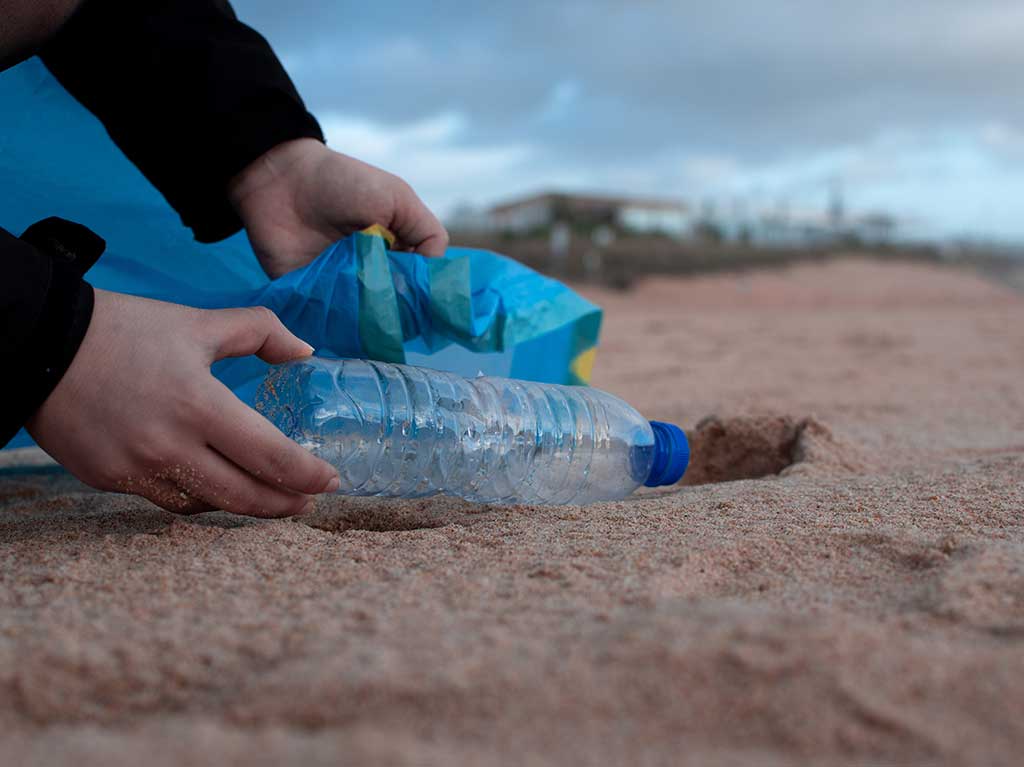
column 398, row 430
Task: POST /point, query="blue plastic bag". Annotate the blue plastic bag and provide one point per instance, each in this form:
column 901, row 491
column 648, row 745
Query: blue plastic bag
column 471, row 311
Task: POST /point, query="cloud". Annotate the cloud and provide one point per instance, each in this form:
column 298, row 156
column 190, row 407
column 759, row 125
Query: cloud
column 940, row 183
column 426, row 153
column 749, row 77
column 1004, row 140
column 560, row 103
column 909, row 103
column 377, row 141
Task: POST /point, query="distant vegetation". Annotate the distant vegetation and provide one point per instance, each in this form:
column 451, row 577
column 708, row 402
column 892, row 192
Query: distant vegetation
column 627, row 258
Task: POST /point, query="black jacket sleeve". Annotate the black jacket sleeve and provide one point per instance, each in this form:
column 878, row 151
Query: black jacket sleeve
column 45, row 308
column 189, row 93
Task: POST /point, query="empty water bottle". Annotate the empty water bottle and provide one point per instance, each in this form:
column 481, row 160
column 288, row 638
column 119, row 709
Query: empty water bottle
column 397, row 430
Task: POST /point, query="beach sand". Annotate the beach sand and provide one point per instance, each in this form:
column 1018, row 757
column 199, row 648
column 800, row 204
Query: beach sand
column 863, row 606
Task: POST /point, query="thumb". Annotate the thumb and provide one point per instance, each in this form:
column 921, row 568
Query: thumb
column 415, row 227
column 254, row 330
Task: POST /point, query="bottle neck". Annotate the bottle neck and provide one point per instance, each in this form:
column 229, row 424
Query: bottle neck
column 671, row 455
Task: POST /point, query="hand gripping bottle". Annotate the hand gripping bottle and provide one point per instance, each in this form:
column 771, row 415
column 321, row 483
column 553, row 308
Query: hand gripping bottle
column 397, row 430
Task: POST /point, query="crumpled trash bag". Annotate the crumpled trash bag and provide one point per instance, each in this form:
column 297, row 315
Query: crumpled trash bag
column 470, row 312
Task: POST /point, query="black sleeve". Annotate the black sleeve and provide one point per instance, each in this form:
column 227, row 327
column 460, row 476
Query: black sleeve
column 189, row 93
column 45, row 308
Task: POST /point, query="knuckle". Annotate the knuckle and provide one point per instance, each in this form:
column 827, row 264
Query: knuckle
column 149, row 452
column 263, row 316
column 188, row 406
column 402, row 188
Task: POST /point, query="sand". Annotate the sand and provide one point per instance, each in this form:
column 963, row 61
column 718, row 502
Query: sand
column 845, row 587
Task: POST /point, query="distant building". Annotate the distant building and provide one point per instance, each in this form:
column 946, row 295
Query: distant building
column 524, row 215
column 656, row 217
column 628, row 214
column 604, row 217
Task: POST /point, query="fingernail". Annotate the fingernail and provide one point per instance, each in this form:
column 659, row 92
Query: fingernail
column 310, row 350
column 308, row 507
column 333, row 486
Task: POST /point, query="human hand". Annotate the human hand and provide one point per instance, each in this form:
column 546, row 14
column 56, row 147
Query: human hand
column 300, row 197
column 138, row 411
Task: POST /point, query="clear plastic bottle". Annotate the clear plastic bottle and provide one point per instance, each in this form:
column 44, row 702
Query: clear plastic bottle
column 397, row 430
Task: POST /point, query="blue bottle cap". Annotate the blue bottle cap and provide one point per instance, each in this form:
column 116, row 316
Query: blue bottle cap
column 671, row 455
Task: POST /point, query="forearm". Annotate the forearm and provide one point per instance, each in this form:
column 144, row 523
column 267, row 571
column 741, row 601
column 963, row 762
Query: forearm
column 45, row 308
column 189, row 93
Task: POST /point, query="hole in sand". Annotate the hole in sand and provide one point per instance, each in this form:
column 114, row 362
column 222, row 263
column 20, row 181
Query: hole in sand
column 727, row 449
column 749, row 447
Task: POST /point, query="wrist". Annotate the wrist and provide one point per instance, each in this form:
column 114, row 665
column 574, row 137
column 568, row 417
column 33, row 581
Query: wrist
column 279, row 164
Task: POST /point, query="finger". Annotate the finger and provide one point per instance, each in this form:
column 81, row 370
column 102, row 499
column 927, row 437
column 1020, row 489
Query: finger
column 218, row 482
column 254, row 330
column 416, row 227
column 171, row 497
column 434, row 246
column 249, row 440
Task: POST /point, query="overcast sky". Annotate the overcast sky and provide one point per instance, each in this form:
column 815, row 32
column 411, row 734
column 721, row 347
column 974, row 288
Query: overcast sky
column 910, row 106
